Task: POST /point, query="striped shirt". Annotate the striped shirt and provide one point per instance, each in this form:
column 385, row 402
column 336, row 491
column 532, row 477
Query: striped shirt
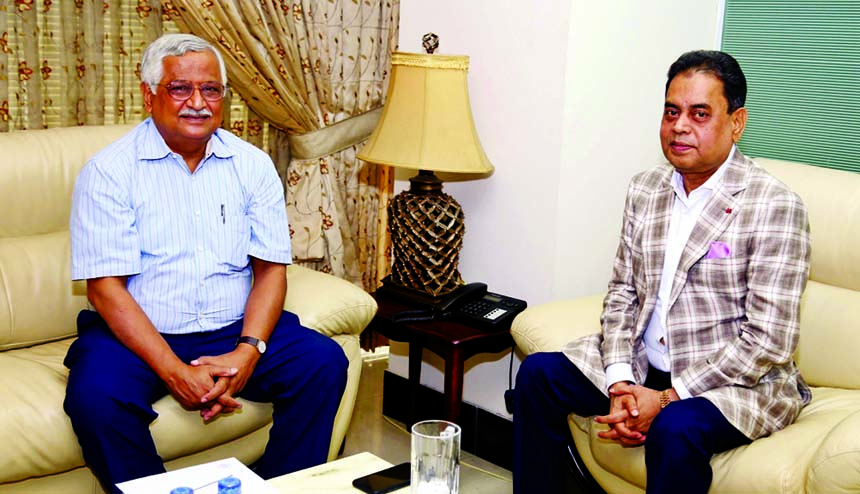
column 183, row 239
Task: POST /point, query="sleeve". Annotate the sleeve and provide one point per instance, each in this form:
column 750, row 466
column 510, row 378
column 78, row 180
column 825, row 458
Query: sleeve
column 617, row 373
column 103, row 230
column 622, row 301
column 776, row 277
column 267, row 212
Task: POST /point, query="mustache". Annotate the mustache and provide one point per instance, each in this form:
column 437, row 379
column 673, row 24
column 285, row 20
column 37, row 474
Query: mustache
column 190, row 112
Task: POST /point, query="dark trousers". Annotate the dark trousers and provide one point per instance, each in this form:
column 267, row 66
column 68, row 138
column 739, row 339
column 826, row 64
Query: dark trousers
column 110, row 392
column 678, row 446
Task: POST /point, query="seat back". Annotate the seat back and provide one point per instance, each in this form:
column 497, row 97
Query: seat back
column 830, row 310
column 38, row 168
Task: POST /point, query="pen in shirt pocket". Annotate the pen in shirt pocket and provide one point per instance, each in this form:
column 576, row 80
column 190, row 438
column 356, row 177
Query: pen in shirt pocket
column 223, row 217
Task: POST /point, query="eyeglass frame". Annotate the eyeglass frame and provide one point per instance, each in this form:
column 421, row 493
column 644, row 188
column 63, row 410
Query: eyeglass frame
column 198, row 87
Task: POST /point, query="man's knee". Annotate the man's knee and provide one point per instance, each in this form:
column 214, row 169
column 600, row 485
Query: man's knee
column 536, row 371
column 331, row 358
column 676, row 428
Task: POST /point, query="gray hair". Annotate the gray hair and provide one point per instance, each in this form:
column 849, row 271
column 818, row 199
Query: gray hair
column 152, row 64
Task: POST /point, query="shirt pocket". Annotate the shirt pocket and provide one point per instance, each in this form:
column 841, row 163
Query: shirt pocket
column 231, row 239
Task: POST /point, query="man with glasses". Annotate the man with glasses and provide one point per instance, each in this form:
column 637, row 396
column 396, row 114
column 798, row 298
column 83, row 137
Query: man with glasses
column 170, row 225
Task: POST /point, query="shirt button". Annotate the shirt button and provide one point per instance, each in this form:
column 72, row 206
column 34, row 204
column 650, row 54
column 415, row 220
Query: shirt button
column 197, row 213
column 200, row 248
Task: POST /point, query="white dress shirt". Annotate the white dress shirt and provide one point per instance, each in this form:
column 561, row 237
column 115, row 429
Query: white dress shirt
column 685, row 214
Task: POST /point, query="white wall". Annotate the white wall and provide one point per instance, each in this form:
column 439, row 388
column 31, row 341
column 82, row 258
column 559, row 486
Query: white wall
column 567, row 97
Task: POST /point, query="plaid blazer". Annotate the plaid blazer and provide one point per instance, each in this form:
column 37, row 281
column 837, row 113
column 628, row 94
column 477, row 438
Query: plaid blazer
column 733, row 314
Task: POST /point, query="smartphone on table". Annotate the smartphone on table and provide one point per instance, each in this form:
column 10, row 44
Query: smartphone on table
column 388, row 480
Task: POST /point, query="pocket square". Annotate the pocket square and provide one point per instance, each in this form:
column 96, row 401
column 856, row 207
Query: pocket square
column 719, row 250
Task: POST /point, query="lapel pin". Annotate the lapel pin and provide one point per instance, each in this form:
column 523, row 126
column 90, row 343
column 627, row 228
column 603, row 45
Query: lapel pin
column 728, row 210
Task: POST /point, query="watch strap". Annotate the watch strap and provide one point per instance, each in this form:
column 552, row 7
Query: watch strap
column 254, row 342
column 665, row 398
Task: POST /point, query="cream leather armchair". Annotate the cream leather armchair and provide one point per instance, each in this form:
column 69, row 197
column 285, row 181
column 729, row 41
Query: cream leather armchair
column 39, row 304
column 820, row 453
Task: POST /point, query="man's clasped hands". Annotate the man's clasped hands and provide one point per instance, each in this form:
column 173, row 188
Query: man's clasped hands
column 210, row 384
column 632, row 408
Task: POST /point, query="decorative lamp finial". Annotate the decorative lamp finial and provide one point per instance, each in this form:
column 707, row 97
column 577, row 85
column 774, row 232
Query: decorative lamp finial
column 430, row 42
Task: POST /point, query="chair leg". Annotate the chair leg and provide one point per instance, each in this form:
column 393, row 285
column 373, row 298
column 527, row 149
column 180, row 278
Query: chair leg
column 580, row 480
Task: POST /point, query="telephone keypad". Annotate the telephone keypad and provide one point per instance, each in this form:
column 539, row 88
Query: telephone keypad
column 495, row 313
column 489, row 311
column 483, row 309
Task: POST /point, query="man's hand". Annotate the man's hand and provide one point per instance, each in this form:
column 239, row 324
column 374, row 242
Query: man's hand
column 649, row 406
column 190, row 385
column 634, row 428
column 221, row 398
column 623, row 408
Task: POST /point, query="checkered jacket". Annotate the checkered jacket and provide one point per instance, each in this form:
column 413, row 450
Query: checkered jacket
column 732, row 319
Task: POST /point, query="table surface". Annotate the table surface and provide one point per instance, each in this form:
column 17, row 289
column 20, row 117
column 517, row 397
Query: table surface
column 332, row 478
column 438, row 335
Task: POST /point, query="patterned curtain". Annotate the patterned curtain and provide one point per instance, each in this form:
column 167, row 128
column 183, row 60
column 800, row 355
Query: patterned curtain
column 303, row 66
column 65, row 63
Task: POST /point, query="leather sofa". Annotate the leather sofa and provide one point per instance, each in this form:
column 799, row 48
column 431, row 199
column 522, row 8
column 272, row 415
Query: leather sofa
column 39, row 304
column 820, row 452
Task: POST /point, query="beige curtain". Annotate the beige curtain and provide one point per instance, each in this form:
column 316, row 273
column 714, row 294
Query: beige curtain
column 314, row 70
column 65, row 63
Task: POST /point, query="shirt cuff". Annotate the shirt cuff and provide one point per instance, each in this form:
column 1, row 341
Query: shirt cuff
column 618, row 372
column 682, row 390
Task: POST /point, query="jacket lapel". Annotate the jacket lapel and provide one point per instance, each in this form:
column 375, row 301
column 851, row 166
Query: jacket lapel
column 655, row 231
column 715, row 218
column 655, row 228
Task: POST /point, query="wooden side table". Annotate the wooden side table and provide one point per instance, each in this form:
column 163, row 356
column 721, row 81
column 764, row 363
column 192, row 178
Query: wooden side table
column 453, row 341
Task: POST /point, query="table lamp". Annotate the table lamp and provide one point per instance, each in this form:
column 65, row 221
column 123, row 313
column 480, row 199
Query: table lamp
column 426, row 125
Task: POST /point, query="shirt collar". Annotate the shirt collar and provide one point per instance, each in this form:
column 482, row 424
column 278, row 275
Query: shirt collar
column 710, row 184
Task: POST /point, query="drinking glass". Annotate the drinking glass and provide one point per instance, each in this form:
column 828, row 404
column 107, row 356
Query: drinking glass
column 435, row 457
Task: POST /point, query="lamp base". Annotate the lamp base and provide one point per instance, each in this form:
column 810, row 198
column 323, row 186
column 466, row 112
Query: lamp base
column 427, row 228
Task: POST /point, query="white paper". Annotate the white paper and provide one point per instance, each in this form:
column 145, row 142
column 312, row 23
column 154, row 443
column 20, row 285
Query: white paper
column 202, row 478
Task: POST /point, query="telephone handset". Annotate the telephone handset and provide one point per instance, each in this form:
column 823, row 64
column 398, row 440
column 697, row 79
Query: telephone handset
column 461, row 295
column 473, row 304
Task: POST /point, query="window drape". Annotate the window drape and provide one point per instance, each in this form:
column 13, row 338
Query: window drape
column 802, row 63
column 303, row 66
column 65, row 63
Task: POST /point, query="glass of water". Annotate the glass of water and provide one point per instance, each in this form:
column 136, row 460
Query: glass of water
column 435, row 457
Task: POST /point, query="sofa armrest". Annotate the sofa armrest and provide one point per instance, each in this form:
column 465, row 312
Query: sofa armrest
column 548, row 327
column 327, row 304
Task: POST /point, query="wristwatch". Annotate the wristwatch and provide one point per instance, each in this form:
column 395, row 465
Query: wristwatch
column 665, row 398
column 257, row 343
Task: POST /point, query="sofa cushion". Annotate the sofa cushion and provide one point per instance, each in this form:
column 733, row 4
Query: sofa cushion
column 782, row 459
column 43, row 442
column 835, row 466
column 34, row 275
column 38, row 172
column 827, row 350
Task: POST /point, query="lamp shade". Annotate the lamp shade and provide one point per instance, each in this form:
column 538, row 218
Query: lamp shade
column 427, row 122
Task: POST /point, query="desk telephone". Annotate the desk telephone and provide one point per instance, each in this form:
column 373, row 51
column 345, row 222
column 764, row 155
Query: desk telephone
column 473, row 304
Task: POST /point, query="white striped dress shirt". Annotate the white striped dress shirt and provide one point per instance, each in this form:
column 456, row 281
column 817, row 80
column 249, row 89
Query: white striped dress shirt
column 183, row 239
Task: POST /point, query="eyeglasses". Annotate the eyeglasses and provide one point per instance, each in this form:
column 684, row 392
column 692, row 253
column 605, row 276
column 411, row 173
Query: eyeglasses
column 182, row 90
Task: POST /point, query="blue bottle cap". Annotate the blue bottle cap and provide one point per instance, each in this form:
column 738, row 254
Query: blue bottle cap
column 182, row 490
column 230, row 485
